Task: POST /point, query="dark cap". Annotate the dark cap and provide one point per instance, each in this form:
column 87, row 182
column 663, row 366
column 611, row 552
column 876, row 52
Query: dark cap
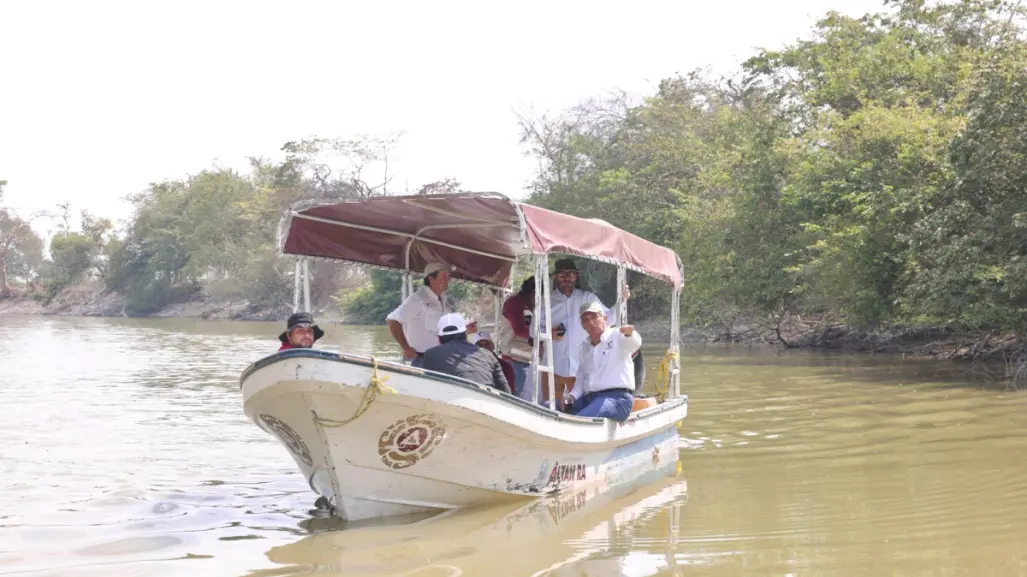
column 566, row 264
column 303, row 321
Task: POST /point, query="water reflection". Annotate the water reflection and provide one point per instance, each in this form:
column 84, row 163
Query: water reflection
column 540, row 537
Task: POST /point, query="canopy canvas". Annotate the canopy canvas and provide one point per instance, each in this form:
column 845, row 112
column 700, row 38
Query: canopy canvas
column 480, row 234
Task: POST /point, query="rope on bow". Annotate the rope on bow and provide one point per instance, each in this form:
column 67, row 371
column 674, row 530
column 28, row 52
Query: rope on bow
column 375, row 388
column 663, row 375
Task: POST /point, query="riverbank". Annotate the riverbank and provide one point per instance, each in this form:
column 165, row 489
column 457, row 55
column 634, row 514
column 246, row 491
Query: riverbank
column 920, row 342
column 86, row 303
column 926, row 342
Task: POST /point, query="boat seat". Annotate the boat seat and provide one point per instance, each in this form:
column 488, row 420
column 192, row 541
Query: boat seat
column 642, row 403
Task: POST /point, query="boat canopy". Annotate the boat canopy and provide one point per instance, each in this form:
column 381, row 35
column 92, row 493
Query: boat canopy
column 480, row 234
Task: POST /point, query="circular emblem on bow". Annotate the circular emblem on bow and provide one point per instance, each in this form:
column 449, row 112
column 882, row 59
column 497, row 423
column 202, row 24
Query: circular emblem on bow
column 288, row 436
column 409, row 440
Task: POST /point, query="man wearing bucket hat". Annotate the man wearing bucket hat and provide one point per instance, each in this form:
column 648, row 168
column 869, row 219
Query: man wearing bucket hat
column 414, row 323
column 605, row 381
column 300, row 332
column 564, row 303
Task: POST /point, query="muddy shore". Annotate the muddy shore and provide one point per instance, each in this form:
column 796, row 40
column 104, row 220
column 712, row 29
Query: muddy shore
column 927, row 342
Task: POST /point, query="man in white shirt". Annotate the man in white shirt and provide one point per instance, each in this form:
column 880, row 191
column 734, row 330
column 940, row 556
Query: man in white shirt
column 414, row 323
column 564, row 303
column 605, row 382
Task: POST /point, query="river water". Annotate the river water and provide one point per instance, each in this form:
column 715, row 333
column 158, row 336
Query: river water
column 125, row 451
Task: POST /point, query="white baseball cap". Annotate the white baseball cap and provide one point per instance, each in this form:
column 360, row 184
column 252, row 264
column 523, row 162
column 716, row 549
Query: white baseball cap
column 480, row 336
column 591, row 307
column 452, row 324
column 434, row 267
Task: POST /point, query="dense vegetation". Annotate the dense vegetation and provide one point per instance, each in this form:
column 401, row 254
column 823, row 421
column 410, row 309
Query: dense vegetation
column 872, row 175
column 210, row 236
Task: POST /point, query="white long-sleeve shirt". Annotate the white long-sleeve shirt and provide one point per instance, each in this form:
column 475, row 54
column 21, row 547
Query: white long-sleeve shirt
column 607, row 365
column 567, row 310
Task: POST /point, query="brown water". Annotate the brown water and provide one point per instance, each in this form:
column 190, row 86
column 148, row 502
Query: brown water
column 125, row 452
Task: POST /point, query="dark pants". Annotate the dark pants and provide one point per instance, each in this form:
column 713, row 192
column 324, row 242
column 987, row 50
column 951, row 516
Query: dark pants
column 418, row 361
column 613, row 404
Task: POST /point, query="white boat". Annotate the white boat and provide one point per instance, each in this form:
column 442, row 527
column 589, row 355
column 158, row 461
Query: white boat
column 378, row 438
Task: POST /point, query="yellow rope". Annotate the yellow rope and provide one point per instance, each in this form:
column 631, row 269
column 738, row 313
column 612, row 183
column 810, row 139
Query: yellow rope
column 663, row 375
column 375, row 388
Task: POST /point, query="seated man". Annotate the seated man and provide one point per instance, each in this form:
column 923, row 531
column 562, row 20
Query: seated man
column 300, row 332
column 605, row 382
column 484, row 340
column 456, row 356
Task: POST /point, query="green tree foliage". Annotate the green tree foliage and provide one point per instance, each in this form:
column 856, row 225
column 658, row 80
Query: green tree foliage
column 874, row 173
column 967, row 259
column 76, row 255
column 21, row 249
column 371, row 303
column 213, row 235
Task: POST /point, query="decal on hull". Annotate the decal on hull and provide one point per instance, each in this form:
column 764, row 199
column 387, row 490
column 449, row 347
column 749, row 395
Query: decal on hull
column 409, row 440
column 288, row 436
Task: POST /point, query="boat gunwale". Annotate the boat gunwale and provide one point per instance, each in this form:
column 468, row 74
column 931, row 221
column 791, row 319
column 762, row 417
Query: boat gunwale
column 392, row 366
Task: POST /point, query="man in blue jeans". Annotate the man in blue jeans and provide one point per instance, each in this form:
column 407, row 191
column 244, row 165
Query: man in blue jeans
column 604, row 385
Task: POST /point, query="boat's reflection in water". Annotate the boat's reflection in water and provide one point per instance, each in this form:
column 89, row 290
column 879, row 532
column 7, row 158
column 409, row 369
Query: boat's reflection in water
column 559, row 535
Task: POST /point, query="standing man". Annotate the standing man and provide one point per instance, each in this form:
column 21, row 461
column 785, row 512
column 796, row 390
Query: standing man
column 565, row 304
column 605, row 382
column 514, row 335
column 414, row 323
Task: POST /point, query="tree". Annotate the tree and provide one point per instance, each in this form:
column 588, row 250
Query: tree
column 444, row 186
column 76, row 255
column 310, row 159
column 870, row 174
column 20, row 247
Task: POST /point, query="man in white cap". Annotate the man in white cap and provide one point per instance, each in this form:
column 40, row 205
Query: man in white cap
column 457, row 356
column 604, row 385
column 414, row 323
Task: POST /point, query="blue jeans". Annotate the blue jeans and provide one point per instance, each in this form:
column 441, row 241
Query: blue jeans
column 613, row 404
column 520, row 371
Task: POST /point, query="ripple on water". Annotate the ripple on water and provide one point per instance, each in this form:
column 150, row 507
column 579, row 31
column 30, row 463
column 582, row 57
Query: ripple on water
column 129, row 454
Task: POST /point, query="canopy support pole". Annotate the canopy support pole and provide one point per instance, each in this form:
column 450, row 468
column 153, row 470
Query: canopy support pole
column 622, row 305
column 498, row 297
column 544, row 339
column 675, row 336
column 296, row 288
column 306, row 285
column 501, row 295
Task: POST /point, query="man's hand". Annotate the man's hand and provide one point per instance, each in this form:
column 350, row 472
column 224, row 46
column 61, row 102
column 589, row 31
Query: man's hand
column 627, row 330
column 626, row 294
column 568, row 402
column 409, row 353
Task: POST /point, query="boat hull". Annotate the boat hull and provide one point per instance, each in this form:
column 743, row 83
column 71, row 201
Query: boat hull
column 420, row 441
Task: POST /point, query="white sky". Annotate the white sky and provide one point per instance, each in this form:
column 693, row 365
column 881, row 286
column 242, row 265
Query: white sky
column 99, row 98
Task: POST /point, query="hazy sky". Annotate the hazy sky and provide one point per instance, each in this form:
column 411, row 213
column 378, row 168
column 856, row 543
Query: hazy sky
column 97, row 99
